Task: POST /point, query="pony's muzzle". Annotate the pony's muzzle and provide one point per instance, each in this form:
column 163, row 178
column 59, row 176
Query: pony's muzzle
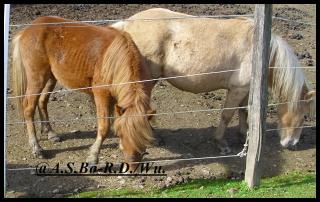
column 134, row 160
column 287, row 142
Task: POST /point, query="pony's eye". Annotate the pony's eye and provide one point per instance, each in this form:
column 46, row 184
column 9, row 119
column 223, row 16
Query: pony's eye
column 122, row 110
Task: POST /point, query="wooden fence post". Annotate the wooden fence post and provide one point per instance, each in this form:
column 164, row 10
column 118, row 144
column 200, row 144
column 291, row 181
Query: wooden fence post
column 258, row 91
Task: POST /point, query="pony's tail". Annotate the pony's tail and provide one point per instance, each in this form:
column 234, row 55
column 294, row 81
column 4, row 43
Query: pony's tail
column 287, row 80
column 19, row 74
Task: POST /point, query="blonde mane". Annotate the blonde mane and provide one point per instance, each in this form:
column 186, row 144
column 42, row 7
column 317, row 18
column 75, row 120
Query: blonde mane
column 123, row 57
column 287, row 83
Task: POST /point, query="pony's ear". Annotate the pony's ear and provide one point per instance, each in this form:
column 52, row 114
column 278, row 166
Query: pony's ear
column 120, row 110
column 151, row 111
column 311, row 94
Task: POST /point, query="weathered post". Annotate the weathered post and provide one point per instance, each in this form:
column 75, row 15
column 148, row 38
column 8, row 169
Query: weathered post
column 258, row 92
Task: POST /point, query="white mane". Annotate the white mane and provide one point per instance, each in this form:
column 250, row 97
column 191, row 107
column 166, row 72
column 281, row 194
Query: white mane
column 287, row 83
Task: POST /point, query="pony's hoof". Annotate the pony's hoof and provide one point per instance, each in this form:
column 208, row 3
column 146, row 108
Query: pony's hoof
column 92, row 161
column 55, row 139
column 225, row 150
column 52, row 136
column 38, row 154
column 223, row 147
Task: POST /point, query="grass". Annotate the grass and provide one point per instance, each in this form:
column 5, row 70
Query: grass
column 291, row 185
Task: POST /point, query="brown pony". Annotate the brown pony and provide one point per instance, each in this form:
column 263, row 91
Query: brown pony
column 82, row 55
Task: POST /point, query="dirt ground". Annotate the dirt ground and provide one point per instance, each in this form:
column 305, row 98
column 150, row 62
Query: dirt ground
column 179, row 136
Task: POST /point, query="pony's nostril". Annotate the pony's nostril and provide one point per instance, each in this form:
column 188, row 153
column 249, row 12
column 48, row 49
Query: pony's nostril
column 294, row 142
column 290, row 144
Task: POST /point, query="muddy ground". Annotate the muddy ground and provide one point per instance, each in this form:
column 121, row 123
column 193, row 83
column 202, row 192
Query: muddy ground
column 182, row 136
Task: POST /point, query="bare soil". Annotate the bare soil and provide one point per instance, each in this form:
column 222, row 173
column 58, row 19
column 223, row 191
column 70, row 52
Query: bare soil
column 179, row 136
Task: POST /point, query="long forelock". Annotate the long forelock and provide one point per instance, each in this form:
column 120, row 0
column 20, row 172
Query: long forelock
column 287, row 83
column 132, row 97
column 134, row 125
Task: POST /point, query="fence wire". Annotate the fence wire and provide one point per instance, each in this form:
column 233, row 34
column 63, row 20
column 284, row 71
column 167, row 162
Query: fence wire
column 153, row 19
column 154, row 114
column 147, row 80
column 240, row 154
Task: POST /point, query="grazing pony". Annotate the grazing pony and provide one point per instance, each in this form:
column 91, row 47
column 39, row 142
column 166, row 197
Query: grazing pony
column 80, row 55
column 174, row 47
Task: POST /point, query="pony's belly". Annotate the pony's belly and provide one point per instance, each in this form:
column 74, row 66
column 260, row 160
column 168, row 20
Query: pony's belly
column 193, row 81
column 72, row 80
column 199, row 84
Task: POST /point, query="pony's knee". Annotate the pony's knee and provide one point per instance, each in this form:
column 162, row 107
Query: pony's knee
column 29, row 112
column 43, row 101
column 41, row 104
column 103, row 132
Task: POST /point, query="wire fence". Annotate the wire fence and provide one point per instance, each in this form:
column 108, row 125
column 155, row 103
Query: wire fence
column 154, row 19
column 284, row 128
column 144, row 115
column 147, row 80
column 102, row 22
column 126, row 83
column 240, row 154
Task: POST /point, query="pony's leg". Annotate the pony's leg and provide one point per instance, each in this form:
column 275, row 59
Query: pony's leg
column 234, row 98
column 102, row 100
column 34, row 86
column 43, row 112
column 243, row 118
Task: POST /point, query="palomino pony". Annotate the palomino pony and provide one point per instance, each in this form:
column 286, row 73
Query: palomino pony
column 82, row 55
column 188, row 46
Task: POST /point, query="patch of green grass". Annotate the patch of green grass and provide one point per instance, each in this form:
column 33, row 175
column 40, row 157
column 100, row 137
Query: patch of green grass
column 292, row 185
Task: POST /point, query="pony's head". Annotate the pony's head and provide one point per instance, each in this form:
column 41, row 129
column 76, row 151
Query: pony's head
column 291, row 118
column 132, row 125
column 133, row 99
column 289, row 84
column 123, row 63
